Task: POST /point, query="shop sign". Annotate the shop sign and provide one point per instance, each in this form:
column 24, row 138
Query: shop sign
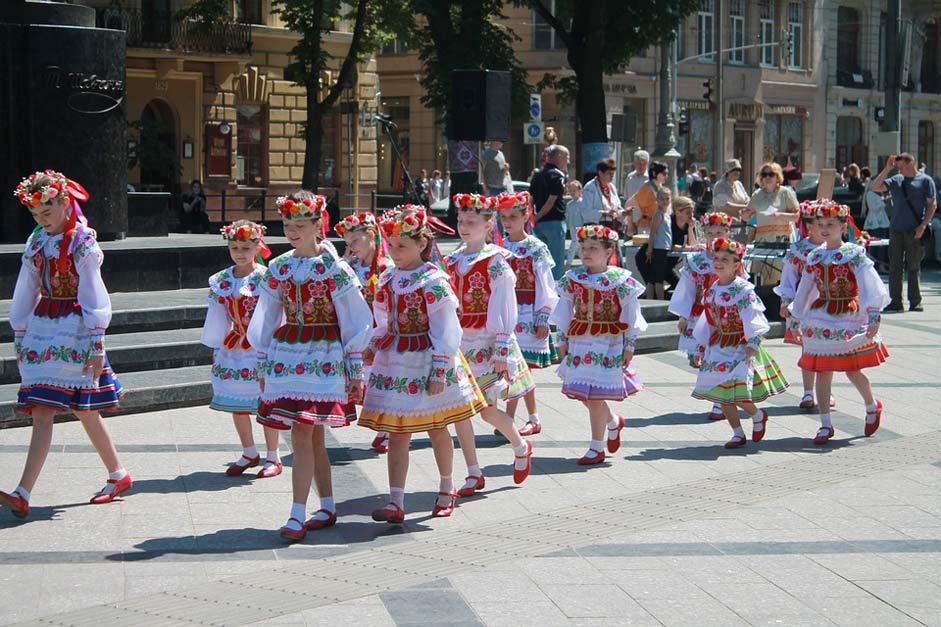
column 218, row 150
column 745, row 110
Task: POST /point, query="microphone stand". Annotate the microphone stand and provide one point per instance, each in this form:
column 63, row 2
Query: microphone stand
column 409, row 190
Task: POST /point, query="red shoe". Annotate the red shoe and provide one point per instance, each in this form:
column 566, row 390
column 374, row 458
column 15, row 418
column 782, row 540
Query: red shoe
column 121, row 485
column 236, row 470
column 272, row 470
column 591, row 461
column 466, row 492
column 293, row 535
column 823, row 435
column 757, row 436
column 447, row 510
column 716, row 414
column 395, row 516
column 832, row 402
column 807, row 402
column 615, row 444
column 737, row 441
column 519, row 476
column 873, row 427
column 19, row 506
column 531, row 428
column 380, row 443
column 315, row 523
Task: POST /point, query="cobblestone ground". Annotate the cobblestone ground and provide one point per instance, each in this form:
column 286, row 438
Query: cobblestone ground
column 673, row 530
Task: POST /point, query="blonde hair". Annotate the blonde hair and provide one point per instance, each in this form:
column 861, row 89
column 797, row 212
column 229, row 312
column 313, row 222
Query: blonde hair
column 774, row 167
column 683, row 203
column 573, row 185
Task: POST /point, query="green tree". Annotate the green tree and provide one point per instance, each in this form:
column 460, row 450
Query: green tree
column 600, row 38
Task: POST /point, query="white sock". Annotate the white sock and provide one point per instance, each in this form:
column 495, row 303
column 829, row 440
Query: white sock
column 445, row 484
column 534, row 418
column 825, row 421
column 326, row 502
column 23, row 492
column 758, row 421
column 613, row 428
column 871, row 413
column 738, row 432
column 298, row 511
column 808, row 394
column 273, row 457
column 397, row 496
column 520, row 461
column 474, row 471
column 247, row 454
column 117, row 475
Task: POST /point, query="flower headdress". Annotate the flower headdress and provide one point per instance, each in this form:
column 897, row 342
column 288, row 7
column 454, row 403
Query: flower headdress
column 243, row 233
column 824, row 208
column 596, row 231
column 356, row 222
column 404, row 220
column 521, row 201
column 306, row 208
column 59, row 186
column 722, row 245
column 716, row 218
column 482, row 205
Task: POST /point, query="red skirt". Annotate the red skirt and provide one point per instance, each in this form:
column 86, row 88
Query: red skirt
column 284, row 412
column 866, row 356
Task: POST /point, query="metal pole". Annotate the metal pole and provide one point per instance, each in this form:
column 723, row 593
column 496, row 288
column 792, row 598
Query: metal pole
column 720, row 103
column 666, row 140
column 893, row 88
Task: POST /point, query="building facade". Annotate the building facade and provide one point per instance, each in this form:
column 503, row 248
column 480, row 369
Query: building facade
column 214, row 102
column 855, row 80
column 773, row 108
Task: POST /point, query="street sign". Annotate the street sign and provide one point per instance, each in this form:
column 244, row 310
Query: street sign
column 535, row 107
column 532, row 133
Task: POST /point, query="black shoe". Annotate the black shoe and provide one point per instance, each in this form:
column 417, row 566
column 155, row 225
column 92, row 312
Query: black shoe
column 917, row 307
column 894, row 307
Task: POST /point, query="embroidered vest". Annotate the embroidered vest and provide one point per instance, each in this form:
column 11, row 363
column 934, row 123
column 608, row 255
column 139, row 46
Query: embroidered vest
column 240, row 309
column 310, row 314
column 58, row 292
column 839, row 292
column 597, row 312
column 728, row 329
column 525, row 279
column 408, row 324
column 473, row 292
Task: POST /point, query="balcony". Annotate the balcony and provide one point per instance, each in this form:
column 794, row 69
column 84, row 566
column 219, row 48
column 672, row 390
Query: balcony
column 162, row 31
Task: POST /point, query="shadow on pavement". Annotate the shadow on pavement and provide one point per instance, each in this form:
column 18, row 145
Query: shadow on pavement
column 715, row 451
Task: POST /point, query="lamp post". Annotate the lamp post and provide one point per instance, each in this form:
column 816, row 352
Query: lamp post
column 665, row 150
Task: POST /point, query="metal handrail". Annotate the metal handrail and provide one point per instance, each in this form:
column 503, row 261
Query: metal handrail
column 161, row 30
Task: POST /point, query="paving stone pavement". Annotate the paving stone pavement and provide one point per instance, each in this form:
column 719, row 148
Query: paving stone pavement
column 674, row 530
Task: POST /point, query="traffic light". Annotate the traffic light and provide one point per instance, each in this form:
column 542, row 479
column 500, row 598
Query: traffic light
column 708, row 93
column 683, row 122
column 879, row 114
column 787, row 44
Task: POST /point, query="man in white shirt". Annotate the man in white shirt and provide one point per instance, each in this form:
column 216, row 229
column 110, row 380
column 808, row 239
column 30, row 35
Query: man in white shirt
column 636, row 179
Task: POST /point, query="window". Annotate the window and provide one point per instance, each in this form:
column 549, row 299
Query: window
column 393, row 46
column 848, row 28
column 390, row 170
column 544, row 36
column 795, row 24
column 768, row 55
column 249, row 11
column 736, row 31
column 707, row 34
column 784, row 139
column 849, row 142
column 926, row 145
column 251, row 123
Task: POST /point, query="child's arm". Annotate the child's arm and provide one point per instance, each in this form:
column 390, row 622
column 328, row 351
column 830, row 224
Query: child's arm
column 546, row 296
column 25, row 298
column 629, row 296
column 806, row 294
column 268, row 315
column 217, row 324
column 501, row 310
column 92, row 294
column 787, row 288
column 684, row 297
column 444, row 328
column 873, row 296
column 356, row 328
column 561, row 316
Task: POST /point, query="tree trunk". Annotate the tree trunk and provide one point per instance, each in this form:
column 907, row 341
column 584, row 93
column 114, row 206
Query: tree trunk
column 584, row 56
column 313, row 136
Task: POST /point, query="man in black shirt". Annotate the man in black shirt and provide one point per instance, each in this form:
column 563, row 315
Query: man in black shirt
column 547, row 189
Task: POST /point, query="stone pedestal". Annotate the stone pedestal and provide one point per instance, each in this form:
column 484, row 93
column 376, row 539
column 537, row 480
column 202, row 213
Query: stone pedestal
column 62, row 87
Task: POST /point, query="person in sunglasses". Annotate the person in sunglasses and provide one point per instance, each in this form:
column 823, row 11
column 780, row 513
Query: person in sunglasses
column 775, row 209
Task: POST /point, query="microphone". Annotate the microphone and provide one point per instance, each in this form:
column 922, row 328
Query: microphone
column 384, row 120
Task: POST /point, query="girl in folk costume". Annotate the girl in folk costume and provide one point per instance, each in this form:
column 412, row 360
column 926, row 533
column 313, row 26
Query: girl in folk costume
column 311, row 365
column 535, row 294
column 485, row 287
column 599, row 320
column 59, row 315
column 838, row 305
column 695, row 277
column 794, row 262
column 734, row 368
column 233, row 294
column 366, row 254
column 418, row 380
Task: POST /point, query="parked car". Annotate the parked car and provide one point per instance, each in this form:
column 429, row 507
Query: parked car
column 441, row 207
column 806, row 189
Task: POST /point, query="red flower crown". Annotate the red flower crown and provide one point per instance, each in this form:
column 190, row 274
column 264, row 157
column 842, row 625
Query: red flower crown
column 722, row 245
column 356, row 222
column 404, row 220
column 309, row 208
column 716, row 218
column 46, row 194
column 596, row 231
column 243, row 233
column 521, row 201
column 824, row 208
column 482, row 205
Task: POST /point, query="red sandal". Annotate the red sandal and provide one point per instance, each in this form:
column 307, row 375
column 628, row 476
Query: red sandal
column 471, row 491
column 757, row 436
column 395, row 516
column 120, row 485
column 872, row 427
column 236, row 469
column 314, row 523
column 445, row 511
column 823, row 435
column 19, row 506
column 293, row 535
column 591, row 461
column 615, row 444
column 272, row 470
column 519, row 476
column 531, row 428
column 737, row 441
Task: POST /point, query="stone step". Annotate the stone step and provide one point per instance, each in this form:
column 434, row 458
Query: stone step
column 152, row 390
column 134, row 352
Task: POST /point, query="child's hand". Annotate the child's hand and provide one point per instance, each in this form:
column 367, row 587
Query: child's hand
column 261, row 384
column 354, row 390
column 563, row 351
column 751, row 352
column 697, row 361
column 500, row 366
column 872, row 330
column 368, row 355
column 682, row 325
column 94, row 364
column 784, row 312
column 542, row 333
column 435, row 388
column 626, row 358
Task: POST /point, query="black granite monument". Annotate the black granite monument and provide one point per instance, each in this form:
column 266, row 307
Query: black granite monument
column 62, row 106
